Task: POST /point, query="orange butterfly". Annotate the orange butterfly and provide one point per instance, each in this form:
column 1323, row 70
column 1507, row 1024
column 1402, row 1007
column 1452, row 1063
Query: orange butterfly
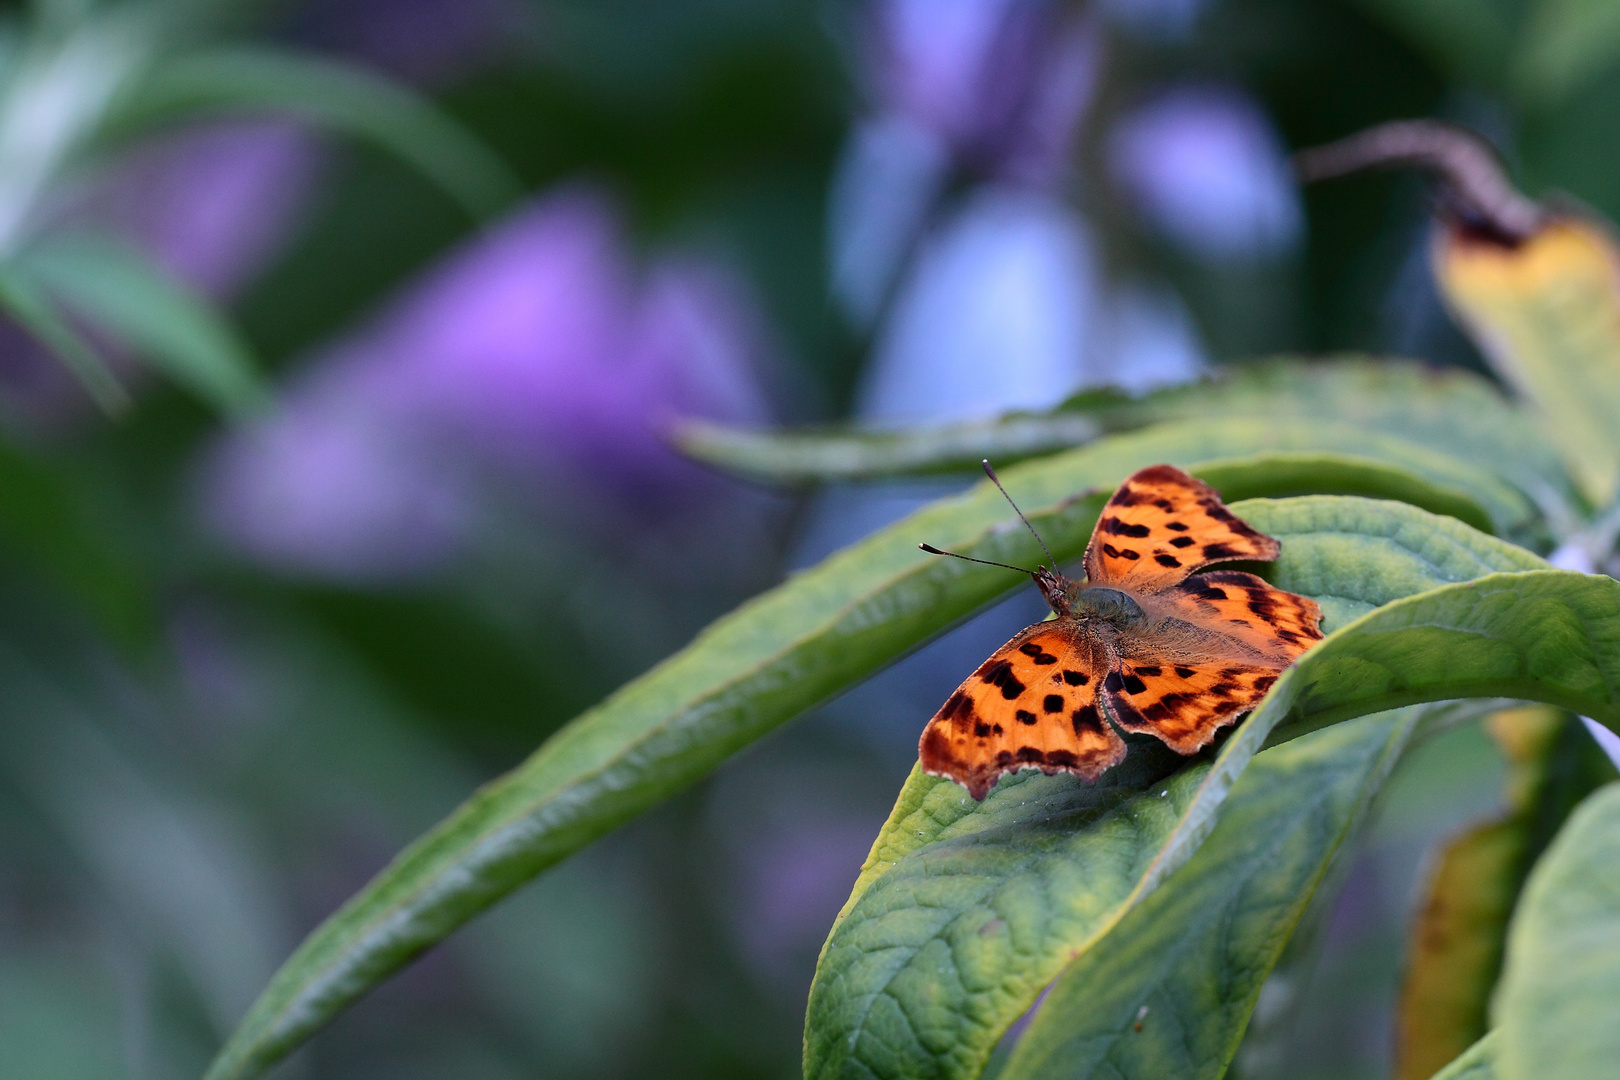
column 1141, row 645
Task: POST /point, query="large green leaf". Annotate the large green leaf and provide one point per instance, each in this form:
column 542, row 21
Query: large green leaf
column 1168, row 991
column 1556, row 1008
column 337, row 96
column 140, row 306
column 1455, row 413
column 818, row 633
column 880, row 982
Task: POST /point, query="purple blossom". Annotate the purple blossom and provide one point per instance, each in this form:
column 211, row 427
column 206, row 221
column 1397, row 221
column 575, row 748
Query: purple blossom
column 211, row 204
column 1001, row 81
column 536, row 354
column 1206, row 169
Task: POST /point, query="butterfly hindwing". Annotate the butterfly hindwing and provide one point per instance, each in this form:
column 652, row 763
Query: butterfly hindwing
column 1214, row 646
column 1184, row 703
column 1160, row 526
column 1251, row 609
column 1032, row 705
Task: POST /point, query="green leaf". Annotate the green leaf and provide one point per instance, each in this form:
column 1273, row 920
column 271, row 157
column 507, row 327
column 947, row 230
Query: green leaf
column 1455, row 413
column 1556, row 1006
column 1169, row 990
column 1478, row 1063
column 23, row 300
column 139, row 305
column 336, row 96
column 882, row 960
column 774, row 657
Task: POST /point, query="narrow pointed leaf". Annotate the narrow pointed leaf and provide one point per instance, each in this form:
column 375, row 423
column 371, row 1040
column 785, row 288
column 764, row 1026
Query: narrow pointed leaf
column 140, row 306
column 1556, row 1009
column 776, row 656
column 24, row 300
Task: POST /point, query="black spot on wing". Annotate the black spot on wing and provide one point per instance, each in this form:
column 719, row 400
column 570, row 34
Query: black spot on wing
column 1220, row 551
column 1150, row 672
column 1120, row 553
column 1133, row 685
column 1000, row 674
column 1182, row 541
column 1075, row 678
column 1176, row 526
column 1053, row 703
column 1115, row 527
column 1025, row 716
column 1184, row 672
column 1086, row 720
column 1167, row 560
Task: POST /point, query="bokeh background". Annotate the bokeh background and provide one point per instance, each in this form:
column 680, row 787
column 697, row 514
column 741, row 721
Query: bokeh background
column 245, row 657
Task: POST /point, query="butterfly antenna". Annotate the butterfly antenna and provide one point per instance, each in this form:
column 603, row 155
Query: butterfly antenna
column 968, row 558
column 996, row 480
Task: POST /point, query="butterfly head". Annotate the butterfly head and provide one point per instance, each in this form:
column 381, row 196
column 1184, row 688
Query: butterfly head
column 1057, row 590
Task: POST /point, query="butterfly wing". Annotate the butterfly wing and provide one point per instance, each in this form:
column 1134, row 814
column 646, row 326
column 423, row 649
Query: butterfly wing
column 1249, row 608
column 1160, row 526
column 1032, row 705
column 1207, row 653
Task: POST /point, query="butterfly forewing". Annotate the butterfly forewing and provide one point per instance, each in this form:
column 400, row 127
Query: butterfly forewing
column 1160, row 526
column 1033, row 704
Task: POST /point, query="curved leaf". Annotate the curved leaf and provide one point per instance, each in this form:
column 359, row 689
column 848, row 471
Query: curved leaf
column 776, row 656
column 337, row 96
column 1456, row 413
column 1447, row 484
column 1556, row 1007
column 1168, row 992
column 907, row 986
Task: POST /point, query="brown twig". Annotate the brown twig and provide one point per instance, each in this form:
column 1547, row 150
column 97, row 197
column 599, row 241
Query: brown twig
column 1473, row 184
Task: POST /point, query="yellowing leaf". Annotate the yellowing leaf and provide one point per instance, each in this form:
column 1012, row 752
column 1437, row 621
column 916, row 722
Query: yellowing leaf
column 1546, row 313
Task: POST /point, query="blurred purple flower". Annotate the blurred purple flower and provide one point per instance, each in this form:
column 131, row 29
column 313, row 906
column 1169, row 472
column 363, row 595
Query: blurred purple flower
column 535, row 353
column 1206, row 170
column 992, row 78
column 995, row 86
column 211, row 204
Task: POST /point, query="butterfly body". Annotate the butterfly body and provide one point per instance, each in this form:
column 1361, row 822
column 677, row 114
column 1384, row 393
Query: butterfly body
column 1102, row 604
column 1141, row 645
